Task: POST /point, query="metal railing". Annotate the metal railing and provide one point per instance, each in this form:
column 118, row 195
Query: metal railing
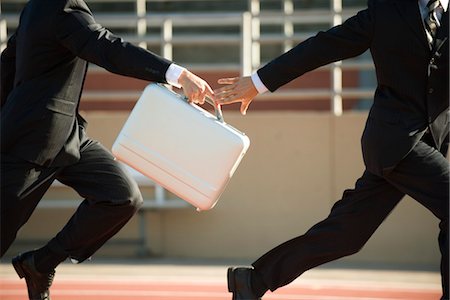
column 249, row 38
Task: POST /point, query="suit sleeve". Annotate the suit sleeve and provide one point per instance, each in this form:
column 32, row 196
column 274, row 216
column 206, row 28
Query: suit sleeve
column 7, row 69
column 78, row 31
column 351, row 38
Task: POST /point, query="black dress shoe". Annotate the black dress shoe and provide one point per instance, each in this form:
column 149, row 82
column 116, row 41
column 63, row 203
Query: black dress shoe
column 239, row 283
column 38, row 283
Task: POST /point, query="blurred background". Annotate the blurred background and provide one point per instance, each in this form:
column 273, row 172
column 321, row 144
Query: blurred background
column 305, row 138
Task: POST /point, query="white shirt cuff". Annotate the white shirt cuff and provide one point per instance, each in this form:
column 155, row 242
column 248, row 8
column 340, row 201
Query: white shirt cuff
column 259, row 85
column 173, row 73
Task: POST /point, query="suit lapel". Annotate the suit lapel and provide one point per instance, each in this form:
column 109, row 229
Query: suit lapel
column 409, row 10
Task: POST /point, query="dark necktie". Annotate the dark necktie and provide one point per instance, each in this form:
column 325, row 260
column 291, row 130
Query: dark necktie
column 431, row 21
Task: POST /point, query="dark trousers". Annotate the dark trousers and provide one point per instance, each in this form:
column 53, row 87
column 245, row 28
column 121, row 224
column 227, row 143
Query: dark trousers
column 111, row 199
column 423, row 175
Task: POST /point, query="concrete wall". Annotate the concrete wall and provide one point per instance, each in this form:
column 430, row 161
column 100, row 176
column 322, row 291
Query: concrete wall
column 297, row 166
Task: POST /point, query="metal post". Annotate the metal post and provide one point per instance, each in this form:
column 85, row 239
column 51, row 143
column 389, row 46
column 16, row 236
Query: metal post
column 246, row 44
column 144, row 243
column 167, row 34
column 336, row 70
column 141, row 26
column 288, row 26
column 255, row 9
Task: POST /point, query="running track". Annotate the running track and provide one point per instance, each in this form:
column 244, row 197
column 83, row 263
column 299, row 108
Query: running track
column 177, row 282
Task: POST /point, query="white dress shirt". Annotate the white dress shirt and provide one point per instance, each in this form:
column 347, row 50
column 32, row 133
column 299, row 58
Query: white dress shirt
column 259, row 85
column 173, row 74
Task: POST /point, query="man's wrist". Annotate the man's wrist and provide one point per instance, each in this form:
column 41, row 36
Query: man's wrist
column 173, row 73
column 259, row 85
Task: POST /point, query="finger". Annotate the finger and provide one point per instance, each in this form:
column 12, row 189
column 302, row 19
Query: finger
column 228, row 90
column 193, row 98
column 221, row 96
column 210, row 94
column 209, row 91
column 222, row 91
column 225, row 95
column 228, row 100
column 244, row 107
column 228, row 80
column 201, row 97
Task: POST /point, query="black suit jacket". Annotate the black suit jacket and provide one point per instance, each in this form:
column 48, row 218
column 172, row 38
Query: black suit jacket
column 42, row 74
column 407, row 101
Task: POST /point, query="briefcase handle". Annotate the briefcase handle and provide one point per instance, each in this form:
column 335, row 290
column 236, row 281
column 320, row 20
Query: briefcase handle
column 217, row 108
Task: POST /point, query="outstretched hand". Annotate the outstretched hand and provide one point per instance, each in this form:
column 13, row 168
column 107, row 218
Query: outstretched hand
column 236, row 90
column 195, row 88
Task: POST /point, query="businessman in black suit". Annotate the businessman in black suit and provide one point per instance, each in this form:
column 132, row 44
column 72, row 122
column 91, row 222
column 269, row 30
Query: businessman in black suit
column 43, row 137
column 404, row 143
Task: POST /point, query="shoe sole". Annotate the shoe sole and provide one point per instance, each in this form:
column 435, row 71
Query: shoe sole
column 18, row 267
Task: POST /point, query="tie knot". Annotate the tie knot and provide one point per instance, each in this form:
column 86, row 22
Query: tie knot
column 433, row 4
column 431, row 21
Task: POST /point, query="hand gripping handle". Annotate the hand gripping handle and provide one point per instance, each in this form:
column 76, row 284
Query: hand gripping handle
column 217, row 108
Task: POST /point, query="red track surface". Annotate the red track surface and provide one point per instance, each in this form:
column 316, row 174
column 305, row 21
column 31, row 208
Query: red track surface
column 88, row 289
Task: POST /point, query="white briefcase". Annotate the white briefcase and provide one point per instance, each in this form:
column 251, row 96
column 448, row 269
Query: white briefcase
column 181, row 146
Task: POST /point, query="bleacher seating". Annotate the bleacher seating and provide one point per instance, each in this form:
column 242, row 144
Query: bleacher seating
column 209, row 37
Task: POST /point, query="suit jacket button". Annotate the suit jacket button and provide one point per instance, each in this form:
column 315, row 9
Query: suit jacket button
column 430, row 91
